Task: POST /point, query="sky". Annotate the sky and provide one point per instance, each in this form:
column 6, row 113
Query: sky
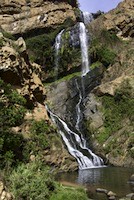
column 95, row 5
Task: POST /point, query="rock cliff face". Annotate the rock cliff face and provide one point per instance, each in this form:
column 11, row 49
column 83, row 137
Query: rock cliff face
column 21, row 17
column 112, row 132
column 16, row 69
column 121, row 19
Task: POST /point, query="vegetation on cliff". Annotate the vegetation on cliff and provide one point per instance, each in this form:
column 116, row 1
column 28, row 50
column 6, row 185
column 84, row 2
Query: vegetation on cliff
column 12, row 112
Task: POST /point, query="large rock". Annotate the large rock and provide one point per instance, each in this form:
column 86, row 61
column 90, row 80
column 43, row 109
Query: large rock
column 16, row 69
column 4, row 195
column 121, row 19
column 19, row 17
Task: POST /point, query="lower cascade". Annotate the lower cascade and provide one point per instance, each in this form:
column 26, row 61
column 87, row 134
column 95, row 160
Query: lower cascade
column 76, row 145
column 74, row 140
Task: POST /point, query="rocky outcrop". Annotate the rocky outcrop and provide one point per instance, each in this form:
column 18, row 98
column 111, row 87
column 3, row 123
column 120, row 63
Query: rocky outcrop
column 19, row 17
column 4, row 194
column 115, row 31
column 16, row 69
column 121, row 19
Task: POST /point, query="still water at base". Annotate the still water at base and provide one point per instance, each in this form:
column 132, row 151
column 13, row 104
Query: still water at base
column 114, row 179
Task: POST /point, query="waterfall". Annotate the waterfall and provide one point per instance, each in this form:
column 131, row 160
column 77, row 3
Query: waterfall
column 57, row 46
column 87, row 17
column 76, row 145
column 73, row 136
column 77, row 37
column 79, row 114
column 84, row 48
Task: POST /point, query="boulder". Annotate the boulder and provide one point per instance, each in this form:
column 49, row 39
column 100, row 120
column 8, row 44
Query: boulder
column 16, row 69
column 101, row 190
column 4, row 195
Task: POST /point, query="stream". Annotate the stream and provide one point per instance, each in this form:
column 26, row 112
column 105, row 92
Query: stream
column 114, row 179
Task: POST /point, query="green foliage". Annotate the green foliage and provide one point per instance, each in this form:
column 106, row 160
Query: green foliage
column 12, row 109
column 41, row 47
column 31, row 181
column 12, row 112
column 1, row 42
column 40, row 131
column 109, row 37
column 77, row 12
column 8, row 35
column 104, row 46
column 101, row 53
column 39, row 138
column 105, row 55
column 117, row 108
column 69, row 194
column 34, row 181
column 95, row 64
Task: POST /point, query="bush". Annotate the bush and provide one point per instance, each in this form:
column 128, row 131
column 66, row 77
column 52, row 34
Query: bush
column 31, row 181
column 101, row 53
column 69, row 194
column 12, row 113
column 39, row 138
column 8, row 35
column 117, row 109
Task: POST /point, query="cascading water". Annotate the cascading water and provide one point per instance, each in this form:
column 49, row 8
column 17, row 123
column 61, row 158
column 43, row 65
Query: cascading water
column 84, row 156
column 87, row 17
column 57, row 46
column 73, row 137
column 84, row 48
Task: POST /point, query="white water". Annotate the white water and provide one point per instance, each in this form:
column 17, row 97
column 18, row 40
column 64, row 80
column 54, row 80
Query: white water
column 58, row 45
column 84, row 48
column 87, row 17
column 84, row 156
column 79, row 114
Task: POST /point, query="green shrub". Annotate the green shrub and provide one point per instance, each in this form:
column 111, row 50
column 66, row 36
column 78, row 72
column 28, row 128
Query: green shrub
column 12, row 113
column 1, row 42
column 106, row 55
column 8, row 35
column 39, row 138
column 116, row 109
column 40, row 131
column 31, row 181
column 95, row 64
column 101, row 53
column 69, row 194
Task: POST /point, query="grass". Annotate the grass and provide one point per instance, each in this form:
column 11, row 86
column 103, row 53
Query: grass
column 69, row 193
column 65, row 78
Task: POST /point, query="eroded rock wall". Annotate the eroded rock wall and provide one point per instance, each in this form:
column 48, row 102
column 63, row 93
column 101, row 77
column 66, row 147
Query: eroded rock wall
column 19, row 17
column 16, row 69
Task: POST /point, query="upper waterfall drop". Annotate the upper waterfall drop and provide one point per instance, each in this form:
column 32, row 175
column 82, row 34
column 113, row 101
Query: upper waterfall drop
column 84, row 48
column 57, row 46
column 87, row 17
